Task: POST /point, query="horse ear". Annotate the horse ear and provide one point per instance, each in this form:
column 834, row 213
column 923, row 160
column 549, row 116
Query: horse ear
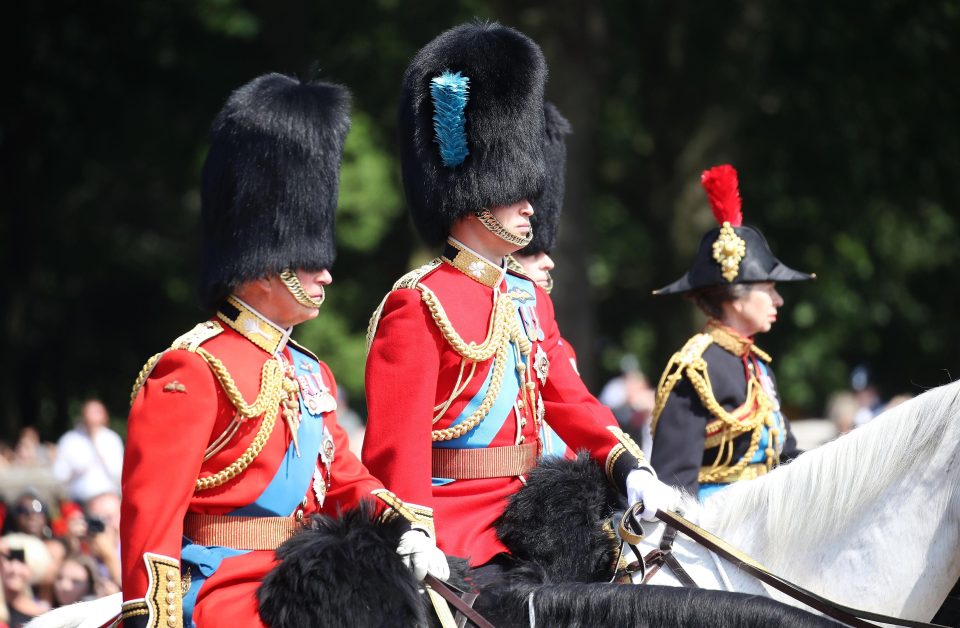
column 329, row 573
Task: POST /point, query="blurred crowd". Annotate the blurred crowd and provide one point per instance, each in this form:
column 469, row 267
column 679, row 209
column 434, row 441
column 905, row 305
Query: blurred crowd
column 60, row 517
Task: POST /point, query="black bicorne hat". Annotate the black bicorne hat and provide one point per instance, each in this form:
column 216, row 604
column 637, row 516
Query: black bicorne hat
column 270, row 182
column 471, row 125
column 547, row 206
column 731, row 253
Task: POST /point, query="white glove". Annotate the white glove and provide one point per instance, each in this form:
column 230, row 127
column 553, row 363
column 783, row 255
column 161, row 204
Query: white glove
column 420, row 553
column 643, row 485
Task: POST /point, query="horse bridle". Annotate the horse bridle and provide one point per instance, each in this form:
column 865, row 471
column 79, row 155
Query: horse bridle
column 631, row 531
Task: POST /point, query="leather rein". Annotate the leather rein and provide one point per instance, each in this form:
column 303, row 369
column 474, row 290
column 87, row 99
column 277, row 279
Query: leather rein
column 631, row 532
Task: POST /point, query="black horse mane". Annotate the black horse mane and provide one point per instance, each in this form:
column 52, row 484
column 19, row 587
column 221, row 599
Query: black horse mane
column 345, row 571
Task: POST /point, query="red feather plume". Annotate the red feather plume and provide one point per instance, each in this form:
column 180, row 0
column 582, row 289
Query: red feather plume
column 722, row 188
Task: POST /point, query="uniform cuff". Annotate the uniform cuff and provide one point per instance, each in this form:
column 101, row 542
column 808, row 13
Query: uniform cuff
column 626, row 456
column 419, row 517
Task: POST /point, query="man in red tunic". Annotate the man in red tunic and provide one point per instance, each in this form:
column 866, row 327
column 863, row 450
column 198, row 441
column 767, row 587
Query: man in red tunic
column 233, row 437
column 465, row 360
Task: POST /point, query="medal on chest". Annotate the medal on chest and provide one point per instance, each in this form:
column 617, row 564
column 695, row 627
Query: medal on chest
column 316, row 394
column 541, row 365
column 321, row 474
column 531, row 323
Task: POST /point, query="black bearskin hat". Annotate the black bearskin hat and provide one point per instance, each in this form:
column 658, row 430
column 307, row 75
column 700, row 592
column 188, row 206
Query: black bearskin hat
column 547, row 206
column 342, row 572
column 732, row 252
column 270, row 182
column 471, row 125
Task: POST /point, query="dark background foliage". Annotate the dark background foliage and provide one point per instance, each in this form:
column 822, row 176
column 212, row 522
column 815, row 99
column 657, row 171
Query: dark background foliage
column 841, row 117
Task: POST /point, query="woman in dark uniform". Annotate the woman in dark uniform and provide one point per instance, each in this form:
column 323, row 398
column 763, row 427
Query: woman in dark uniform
column 717, row 417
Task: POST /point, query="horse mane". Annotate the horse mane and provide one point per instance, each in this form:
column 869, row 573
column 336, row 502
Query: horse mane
column 826, row 490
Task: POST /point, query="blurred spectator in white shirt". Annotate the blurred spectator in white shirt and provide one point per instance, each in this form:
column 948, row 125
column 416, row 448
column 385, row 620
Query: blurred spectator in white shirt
column 90, row 456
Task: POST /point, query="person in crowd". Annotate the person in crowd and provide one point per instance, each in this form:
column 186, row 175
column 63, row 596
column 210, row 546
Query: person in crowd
column 842, row 407
column 717, row 417
column 23, row 560
column 102, row 539
column 464, row 359
column 29, row 451
column 30, row 515
column 90, row 456
column 233, row 437
column 77, row 580
column 631, row 399
column 865, row 388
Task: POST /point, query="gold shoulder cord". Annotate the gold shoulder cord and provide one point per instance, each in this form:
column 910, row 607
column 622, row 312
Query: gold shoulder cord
column 271, row 393
column 272, row 389
column 689, row 362
column 189, row 341
column 410, row 280
column 504, row 328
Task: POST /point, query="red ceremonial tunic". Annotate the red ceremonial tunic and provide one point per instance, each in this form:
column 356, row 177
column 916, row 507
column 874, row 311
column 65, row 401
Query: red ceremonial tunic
column 417, row 383
column 182, row 408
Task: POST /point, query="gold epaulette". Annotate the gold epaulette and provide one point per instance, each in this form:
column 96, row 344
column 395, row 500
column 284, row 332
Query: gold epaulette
column 409, row 280
column 690, row 357
column 189, row 341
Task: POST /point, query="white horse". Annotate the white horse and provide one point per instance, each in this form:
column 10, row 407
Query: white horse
column 870, row 520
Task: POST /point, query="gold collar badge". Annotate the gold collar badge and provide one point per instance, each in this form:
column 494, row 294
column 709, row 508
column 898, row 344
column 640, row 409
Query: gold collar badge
column 472, row 265
column 252, row 325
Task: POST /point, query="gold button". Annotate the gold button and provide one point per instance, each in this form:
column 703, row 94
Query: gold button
column 522, row 439
column 171, row 598
column 171, row 620
column 523, row 422
column 171, row 609
column 303, row 502
column 172, row 574
column 171, row 586
column 299, row 515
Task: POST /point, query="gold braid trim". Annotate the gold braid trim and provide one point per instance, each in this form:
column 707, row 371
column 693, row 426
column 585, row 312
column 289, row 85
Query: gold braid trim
column 420, row 517
column 240, row 465
column 266, row 404
column 144, row 374
column 691, row 353
column 271, row 386
column 133, row 608
column 189, row 341
column 409, row 280
column 164, row 599
column 504, row 329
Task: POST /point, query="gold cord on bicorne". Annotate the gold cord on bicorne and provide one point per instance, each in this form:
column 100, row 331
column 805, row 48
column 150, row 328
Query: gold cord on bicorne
column 504, row 329
column 689, row 363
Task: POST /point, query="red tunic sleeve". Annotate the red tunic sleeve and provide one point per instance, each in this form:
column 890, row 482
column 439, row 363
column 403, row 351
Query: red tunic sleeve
column 576, row 415
column 401, row 382
column 168, row 430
